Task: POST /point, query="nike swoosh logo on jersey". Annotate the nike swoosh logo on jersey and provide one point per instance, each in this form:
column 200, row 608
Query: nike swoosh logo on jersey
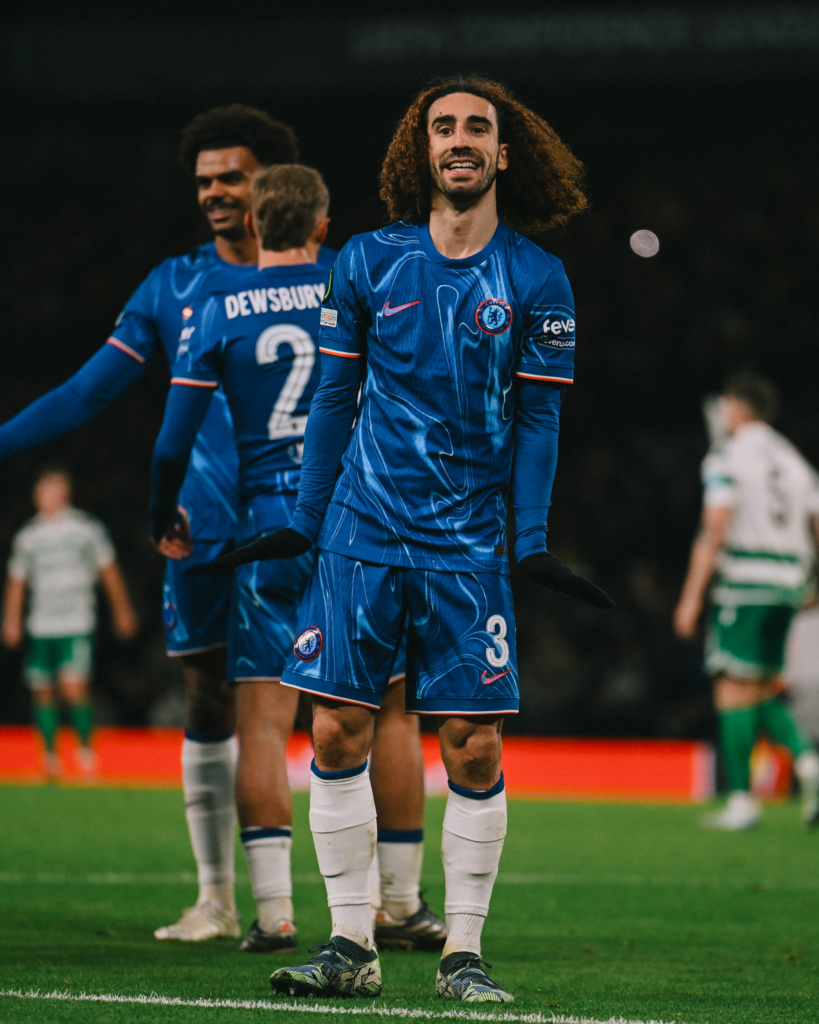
column 391, row 311
column 492, row 679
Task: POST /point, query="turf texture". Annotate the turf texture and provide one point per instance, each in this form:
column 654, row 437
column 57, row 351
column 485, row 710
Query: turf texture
column 601, row 911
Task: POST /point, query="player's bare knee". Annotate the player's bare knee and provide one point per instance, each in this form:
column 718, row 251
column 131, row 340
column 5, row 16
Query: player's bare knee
column 342, row 734
column 732, row 693
column 266, row 709
column 471, row 753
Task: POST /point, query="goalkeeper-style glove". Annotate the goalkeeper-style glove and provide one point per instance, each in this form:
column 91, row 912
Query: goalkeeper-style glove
column 549, row 571
column 284, row 543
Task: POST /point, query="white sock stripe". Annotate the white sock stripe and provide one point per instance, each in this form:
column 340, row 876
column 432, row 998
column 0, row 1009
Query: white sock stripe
column 350, row 899
column 356, row 1011
column 480, row 821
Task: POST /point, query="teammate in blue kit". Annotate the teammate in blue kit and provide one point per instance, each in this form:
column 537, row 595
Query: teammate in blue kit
column 466, row 331
column 222, row 149
column 256, row 337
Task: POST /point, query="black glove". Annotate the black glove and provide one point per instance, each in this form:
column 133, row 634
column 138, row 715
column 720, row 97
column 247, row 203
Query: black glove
column 549, row 571
column 284, row 543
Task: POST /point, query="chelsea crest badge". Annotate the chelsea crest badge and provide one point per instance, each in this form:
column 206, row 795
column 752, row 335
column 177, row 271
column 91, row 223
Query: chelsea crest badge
column 494, row 316
column 308, row 644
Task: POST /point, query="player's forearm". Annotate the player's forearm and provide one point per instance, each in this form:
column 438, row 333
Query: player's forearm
column 13, row 599
column 701, row 568
column 116, row 591
column 184, row 412
column 167, row 476
column 537, row 418
column 332, row 414
column 705, row 553
column 93, row 388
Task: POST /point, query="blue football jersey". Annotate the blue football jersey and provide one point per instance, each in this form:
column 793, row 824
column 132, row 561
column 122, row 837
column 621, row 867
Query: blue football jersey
column 256, row 339
column 160, row 315
column 425, row 474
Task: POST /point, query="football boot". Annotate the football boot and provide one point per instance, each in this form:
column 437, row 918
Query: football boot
column 340, row 968
column 282, row 940
column 462, row 976
column 741, row 812
column 422, row 930
column 207, row 920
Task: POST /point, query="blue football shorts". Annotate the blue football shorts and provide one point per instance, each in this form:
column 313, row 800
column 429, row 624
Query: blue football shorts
column 460, row 630
column 196, row 609
column 264, row 614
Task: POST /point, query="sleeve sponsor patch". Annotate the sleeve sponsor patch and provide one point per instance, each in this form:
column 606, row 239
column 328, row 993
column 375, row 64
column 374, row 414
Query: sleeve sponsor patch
column 559, row 328
column 329, row 317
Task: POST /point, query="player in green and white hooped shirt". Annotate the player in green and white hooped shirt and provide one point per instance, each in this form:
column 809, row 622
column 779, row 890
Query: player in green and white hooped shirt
column 756, row 550
column 58, row 557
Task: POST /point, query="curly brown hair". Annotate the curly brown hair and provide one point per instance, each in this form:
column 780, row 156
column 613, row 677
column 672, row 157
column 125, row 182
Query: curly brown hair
column 541, row 187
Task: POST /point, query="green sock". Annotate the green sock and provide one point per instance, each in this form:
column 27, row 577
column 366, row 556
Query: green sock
column 47, row 718
column 737, row 734
column 777, row 720
column 82, row 718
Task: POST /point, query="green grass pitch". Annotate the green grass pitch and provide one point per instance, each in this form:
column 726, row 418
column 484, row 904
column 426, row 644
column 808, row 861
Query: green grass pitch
column 601, row 911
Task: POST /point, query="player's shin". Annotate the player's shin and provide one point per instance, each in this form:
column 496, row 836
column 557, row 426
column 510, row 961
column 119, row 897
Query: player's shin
column 267, row 852
column 342, row 819
column 474, row 830
column 208, row 780
column 737, row 735
column 400, row 859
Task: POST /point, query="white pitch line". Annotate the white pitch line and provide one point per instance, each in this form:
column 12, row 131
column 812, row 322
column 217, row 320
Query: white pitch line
column 358, row 1011
column 628, row 881
column 125, row 878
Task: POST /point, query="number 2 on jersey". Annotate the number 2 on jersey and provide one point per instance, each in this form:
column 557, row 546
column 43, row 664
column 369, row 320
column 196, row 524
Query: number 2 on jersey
column 283, row 422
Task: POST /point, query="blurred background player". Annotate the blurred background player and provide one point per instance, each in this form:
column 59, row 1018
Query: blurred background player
column 256, row 337
column 56, row 561
column 222, row 149
column 759, row 531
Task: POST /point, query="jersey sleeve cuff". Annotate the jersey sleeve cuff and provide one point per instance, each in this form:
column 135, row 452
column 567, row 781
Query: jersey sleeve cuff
column 305, row 522
column 126, row 349
column 328, row 350
column 550, row 374
column 194, row 383
column 530, row 544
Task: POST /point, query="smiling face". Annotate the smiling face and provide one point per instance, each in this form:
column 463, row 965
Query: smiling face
column 223, row 179
column 465, row 154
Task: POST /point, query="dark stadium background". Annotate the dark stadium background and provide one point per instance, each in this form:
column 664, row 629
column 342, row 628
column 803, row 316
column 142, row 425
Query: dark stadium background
column 698, row 122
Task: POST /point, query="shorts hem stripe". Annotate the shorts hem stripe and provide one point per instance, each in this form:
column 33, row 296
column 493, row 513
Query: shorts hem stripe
column 329, row 696
column 196, row 650
column 464, row 711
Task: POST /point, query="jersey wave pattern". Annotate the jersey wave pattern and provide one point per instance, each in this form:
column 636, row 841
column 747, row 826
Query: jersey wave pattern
column 425, row 476
column 256, row 338
column 768, row 550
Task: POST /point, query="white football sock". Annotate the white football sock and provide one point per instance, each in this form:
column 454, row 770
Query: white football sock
column 267, row 852
column 208, row 782
column 400, row 858
column 375, row 883
column 342, row 819
column 474, row 828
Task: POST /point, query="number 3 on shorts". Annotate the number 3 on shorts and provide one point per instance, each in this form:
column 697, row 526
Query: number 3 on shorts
column 498, row 655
